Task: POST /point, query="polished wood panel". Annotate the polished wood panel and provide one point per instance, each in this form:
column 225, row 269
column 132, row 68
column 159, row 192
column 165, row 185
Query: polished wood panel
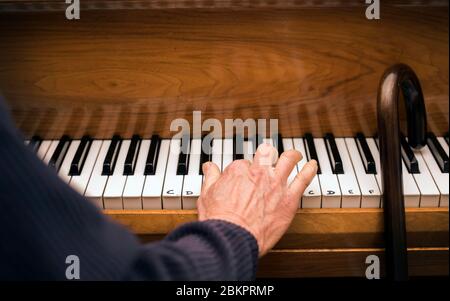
column 347, row 262
column 311, row 228
column 135, row 71
column 324, row 242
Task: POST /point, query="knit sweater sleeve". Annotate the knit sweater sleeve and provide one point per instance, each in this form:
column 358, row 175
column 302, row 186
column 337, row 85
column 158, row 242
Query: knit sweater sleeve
column 43, row 221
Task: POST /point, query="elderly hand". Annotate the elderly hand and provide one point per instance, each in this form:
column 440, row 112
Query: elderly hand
column 255, row 195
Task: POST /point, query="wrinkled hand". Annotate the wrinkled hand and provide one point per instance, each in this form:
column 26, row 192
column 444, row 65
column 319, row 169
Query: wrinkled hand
column 255, row 195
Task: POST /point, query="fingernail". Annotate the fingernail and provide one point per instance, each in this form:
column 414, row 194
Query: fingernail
column 314, row 165
column 264, row 149
column 268, row 155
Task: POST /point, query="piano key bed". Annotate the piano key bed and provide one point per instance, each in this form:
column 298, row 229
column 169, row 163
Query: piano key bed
column 158, row 174
column 149, row 187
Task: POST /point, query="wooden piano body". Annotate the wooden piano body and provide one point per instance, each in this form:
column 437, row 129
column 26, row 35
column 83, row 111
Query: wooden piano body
column 130, row 67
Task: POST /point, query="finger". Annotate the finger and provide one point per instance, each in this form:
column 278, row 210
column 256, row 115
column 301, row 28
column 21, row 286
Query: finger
column 286, row 163
column 236, row 167
column 212, row 174
column 303, row 179
column 266, row 155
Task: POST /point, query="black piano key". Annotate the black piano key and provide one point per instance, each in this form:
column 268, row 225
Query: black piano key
column 438, row 152
column 311, row 152
column 183, row 159
column 238, row 147
column 132, row 156
column 152, row 157
column 366, row 154
column 111, row 156
column 60, row 152
column 278, row 143
column 408, row 156
column 333, row 154
column 35, row 142
column 446, row 138
column 205, row 155
column 76, row 167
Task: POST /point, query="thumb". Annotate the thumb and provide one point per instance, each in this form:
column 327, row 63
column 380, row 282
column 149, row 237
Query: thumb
column 212, row 174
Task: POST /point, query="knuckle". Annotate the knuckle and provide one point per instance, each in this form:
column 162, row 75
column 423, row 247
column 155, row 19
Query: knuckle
column 258, row 171
column 238, row 165
column 277, row 182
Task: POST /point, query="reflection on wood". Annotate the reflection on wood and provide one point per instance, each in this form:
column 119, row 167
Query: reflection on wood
column 263, row 63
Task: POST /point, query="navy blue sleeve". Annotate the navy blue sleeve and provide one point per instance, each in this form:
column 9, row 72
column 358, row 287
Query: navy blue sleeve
column 43, row 220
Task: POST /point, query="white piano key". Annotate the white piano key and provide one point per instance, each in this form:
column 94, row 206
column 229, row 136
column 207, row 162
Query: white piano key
column 351, row 194
column 65, row 166
column 112, row 196
column 370, row 192
column 429, row 193
column 193, row 180
column 227, row 157
column 288, row 144
column 376, row 156
column 217, row 152
column 132, row 193
column 173, row 183
column 97, row 182
column 268, row 141
column 444, row 193
column 441, row 179
column 192, row 187
column 443, row 143
column 194, row 157
column 248, row 150
column 152, row 192
column 43, row 148
column 331, row 192
column 80, row 182
column 312, row 197
column 411, row 192
column 50, row 151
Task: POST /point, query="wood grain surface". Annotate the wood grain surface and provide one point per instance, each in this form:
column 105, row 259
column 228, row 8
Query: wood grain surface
column 311, row 228
column 347, row 262
column 324, row 242
column 135, row 71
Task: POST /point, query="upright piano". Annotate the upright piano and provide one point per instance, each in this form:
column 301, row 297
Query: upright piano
column 95, row 97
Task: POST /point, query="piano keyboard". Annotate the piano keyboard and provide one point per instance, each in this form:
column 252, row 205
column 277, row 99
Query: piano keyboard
column 156, row 174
